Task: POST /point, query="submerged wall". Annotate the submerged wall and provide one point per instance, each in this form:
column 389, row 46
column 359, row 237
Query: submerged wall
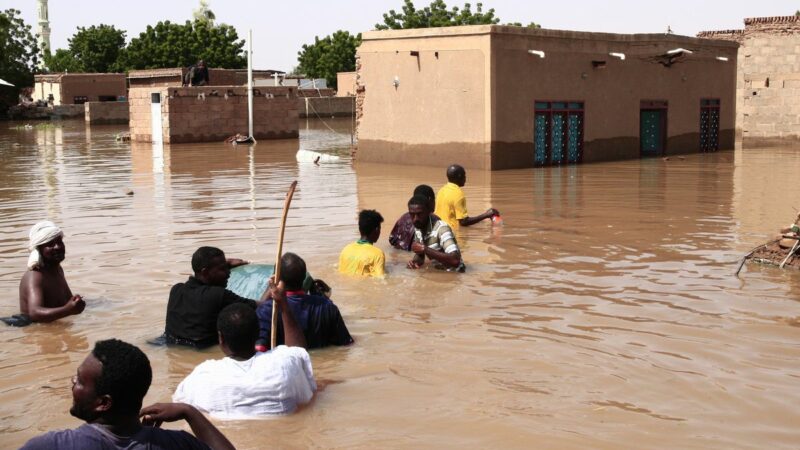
column 468, row 94
column 106, row 112
column 768, row 79
column 207, row 114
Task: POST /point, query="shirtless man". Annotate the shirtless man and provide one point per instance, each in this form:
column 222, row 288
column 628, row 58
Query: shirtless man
column 44, row 295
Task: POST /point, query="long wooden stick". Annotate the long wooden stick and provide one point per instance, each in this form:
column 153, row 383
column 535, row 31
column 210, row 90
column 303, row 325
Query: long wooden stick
column 274, row 329
column 791, row 252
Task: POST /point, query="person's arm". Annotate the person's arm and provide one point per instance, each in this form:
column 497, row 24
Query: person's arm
column 448, row 259
column 467, row 221
column 292, row 334
column 40, row 313
column 204, row 430
column 419, row 258
column 236, row 262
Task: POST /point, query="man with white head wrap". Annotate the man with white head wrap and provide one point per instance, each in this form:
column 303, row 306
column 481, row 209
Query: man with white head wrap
column 44, row 295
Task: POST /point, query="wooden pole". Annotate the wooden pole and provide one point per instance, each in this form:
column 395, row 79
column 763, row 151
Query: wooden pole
column 274, row 329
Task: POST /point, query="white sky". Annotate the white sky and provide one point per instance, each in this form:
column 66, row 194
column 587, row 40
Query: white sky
column 280, row 28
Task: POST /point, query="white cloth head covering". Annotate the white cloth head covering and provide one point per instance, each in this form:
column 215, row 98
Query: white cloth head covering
column 41, row 233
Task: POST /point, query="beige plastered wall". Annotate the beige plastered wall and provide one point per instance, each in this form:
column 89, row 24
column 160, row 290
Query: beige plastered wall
column 611, row 92
column 438, row 112
column 474, row 101
column 43, row 89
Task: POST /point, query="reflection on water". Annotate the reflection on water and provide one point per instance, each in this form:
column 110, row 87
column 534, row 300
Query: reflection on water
column 602, row 313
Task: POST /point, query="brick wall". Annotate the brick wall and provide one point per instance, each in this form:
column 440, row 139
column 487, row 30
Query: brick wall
column 326, row 107
column 208, row 114
column 106, row 112
column 768, row 79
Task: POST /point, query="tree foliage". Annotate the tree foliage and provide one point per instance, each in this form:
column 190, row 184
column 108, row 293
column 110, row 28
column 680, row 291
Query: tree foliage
column 94, row 49
column 533, row 25
column 18, row 56
column 170, row 44
column 329, row 55
column 436, row 15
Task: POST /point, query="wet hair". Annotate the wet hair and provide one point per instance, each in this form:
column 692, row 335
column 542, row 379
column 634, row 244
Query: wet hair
column 238, row 325
column 203, row 257
column 293, row 271
column 126, row 375
column 455, row 172
column 425, row 191
column 368, row 221
column 420, row 200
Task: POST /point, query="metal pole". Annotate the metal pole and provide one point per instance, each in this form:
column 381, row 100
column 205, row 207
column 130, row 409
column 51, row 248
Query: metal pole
column 250, row 83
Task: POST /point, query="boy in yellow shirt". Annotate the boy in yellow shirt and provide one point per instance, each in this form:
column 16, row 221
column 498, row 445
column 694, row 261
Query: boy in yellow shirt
column 361, row 257
column 451, row 205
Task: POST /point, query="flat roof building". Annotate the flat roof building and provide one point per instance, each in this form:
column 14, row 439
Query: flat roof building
column 500, row 97
column 78, row 88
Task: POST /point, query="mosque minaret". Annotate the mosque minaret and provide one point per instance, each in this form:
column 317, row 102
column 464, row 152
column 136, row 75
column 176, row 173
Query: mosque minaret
column 43, row 29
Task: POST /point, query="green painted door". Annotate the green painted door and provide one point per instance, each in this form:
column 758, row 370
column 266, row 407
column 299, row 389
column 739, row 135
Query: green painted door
column 652, row 132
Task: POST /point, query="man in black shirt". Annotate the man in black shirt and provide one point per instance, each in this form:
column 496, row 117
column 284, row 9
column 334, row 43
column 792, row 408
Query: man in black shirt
column 194, row 305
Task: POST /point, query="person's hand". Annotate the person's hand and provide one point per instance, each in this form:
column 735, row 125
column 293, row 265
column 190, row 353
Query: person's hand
column 413, row 265
column 76, row 304
column 418, row 248
column 155, row 415
column 236, row 262
column 277, row 293
column 492, row 212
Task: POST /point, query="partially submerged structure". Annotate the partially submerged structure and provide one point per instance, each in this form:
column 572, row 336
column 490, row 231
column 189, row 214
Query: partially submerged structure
column 500, row 97
column 768, row 80
column 210, row 113
column 79, row 88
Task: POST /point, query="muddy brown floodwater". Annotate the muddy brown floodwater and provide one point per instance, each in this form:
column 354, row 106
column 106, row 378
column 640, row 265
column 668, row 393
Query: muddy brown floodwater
column 603, row 314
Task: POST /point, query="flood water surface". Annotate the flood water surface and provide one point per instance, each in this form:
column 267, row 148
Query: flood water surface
column 603, row 313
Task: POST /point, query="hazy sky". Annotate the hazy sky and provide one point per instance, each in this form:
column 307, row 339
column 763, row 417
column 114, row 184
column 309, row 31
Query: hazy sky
column 280, row 28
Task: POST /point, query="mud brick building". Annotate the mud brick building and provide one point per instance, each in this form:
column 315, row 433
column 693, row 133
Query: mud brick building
column 78, row 88
column 210, row 113
column 499, row 97
column 768, row 79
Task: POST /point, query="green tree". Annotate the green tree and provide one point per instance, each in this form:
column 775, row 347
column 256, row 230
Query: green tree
column 62, row 61
column 436, row 15
column 519, row 24
column 18, row 57
column 329, row 55
column 170, row 44
column 94, row 49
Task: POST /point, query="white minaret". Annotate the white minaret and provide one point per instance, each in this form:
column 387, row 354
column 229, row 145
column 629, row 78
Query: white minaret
column 43, row 29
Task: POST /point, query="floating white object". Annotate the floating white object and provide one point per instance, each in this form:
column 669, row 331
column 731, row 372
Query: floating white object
column 618, row 55
column 310, row 156
column 539, row 53
column 722, row 58
column 678, row 50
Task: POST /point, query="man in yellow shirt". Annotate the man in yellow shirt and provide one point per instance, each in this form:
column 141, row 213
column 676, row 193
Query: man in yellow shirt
column 451, row 205
column 361, row 257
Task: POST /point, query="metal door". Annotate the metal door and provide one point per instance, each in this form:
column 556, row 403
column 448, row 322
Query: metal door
column 155, row 118
column 652, row 131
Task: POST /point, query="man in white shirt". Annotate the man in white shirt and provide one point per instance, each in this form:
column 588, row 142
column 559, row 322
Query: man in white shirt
column 246, row 384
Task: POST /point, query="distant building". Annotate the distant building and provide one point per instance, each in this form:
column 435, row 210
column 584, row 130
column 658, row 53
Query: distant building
column 768, row 79
column 500, row 97
column 173, row 77
column 345, row 84
column 78, row 88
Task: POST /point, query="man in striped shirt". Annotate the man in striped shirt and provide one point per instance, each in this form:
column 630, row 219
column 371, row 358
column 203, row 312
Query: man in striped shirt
column 432, row 238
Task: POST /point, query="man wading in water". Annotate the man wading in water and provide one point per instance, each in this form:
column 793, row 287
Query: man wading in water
column 44, row 295
column 433, row 239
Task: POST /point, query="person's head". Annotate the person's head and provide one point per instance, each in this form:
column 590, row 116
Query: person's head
column 369, row 224
column 111, row 382
column 237, row 325
column 457, row 175
column 293, row 271
column 419, row 210
column 46, row 242
column 210, row 266
column 201, row 63
column 427, row 192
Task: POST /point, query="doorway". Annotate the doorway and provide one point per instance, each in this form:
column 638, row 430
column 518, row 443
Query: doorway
column 653, row 128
